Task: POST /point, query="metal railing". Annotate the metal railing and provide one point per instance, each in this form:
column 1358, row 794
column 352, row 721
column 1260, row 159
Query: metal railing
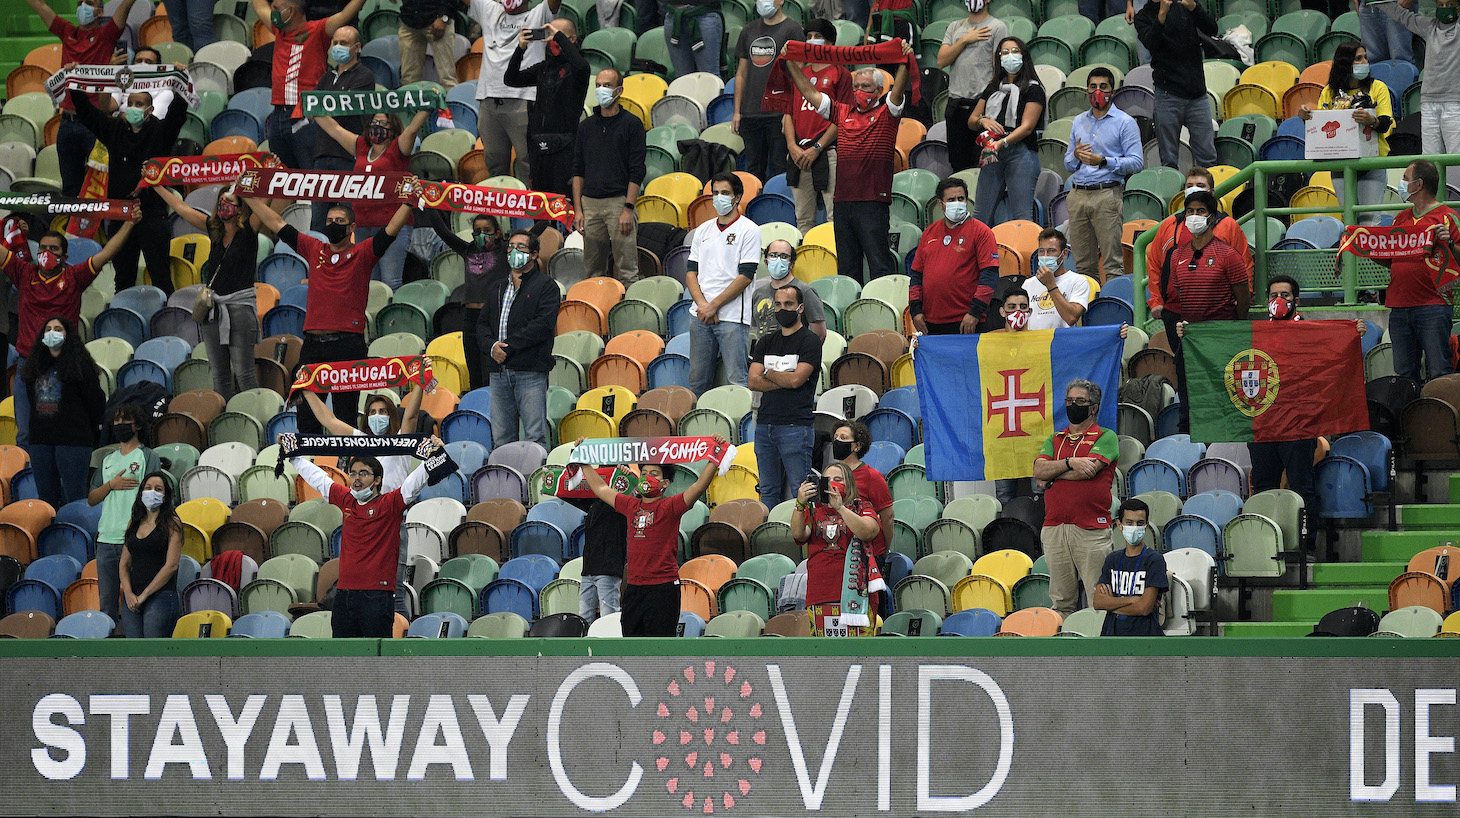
column 1257, row 175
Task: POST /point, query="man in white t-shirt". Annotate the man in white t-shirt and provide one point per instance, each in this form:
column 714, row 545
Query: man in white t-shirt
column 724, row 256
column 502, row 109
column 1057, row 296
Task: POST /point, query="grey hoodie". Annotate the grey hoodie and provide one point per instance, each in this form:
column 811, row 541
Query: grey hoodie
column 1442, row 54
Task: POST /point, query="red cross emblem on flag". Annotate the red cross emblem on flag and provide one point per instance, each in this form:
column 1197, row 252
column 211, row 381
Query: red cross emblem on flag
column 1013, row 403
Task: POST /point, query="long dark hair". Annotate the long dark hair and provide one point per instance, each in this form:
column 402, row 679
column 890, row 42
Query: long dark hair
column 214, row 223
column 1342, row 72
column 73, row 364
column 1026, row 74
column 167, row 518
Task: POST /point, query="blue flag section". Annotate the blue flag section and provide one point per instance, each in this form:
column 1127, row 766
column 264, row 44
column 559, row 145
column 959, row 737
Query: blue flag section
column 989, row 401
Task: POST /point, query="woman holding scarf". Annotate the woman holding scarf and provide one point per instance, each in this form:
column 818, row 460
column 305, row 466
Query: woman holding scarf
column 1008, row 113
column 831, row 528
column 385, row 147
column 231, row 327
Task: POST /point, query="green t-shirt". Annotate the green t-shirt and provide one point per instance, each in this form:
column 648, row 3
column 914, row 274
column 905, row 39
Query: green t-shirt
column 116, row 509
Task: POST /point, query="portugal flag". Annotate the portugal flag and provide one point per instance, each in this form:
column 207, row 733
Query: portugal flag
column 1271, row 381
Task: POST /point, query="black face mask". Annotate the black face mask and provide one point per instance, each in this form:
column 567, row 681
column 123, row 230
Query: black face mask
column 788, row 318
column 1076, row 413
column 123, row 432
column 841, row 449
column 336, row 233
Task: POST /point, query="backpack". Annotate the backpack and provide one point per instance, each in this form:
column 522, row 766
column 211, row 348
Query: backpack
column 151, row 397
column 1145, row 392
column 659, row 238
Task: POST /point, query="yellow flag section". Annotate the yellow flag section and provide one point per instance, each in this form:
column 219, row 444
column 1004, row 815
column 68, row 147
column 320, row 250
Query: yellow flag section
column 989, row 401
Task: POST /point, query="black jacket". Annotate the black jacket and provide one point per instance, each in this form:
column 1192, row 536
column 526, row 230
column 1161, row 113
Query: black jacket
column 618, row 146
column 532, row 323
column 562, row 85
column 127, row 149
column 1176, row 55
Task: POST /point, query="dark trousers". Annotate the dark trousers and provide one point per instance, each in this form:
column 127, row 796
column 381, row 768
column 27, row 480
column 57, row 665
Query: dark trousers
column 1183, row 415
column 961, row 152
column 475, row 377
column 73, row 145
column 765, row 145
column 150, row 239
column 955, row 328
column 337, row 346
column 363, row 614
column 551, row 172
column 860, row 230
column 1270, row 460
column 651, row 610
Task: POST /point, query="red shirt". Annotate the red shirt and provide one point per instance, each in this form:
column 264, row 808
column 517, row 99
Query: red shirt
column 653, row 538
column 826, row 564
column 85, row 46
column 298, row 62
column 834, row 81
column 872, row 487
column 946, row 269
column 42, row 298
column 865, row 145
column 377, row 214
column 1411, row 283
column 1201, row 286
column 370, row 544
column 1081, row 503
column 339, row 284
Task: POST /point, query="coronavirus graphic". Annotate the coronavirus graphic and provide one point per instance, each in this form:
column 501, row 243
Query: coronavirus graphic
column 709, row 738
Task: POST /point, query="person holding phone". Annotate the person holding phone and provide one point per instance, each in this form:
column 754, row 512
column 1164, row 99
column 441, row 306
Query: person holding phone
column 830, row 520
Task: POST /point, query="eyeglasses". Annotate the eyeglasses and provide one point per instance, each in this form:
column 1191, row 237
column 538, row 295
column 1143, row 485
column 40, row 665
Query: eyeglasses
column 524, row 248
column 1079, row 402
column 1006, row 52
column 783, row 256
column 363, row 475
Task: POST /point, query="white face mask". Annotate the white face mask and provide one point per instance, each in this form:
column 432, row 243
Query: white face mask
column 765, row 8
column 955, row 211
column 1048, row 262
column 378, row 423
column 53, row 339
column 1193, row 190
column 1405, row 194
column 362, row 495
column 604, row 96
column 1012, row 62
column 724, row 203
column 1196, row 224
column 152, row 500
column 1133, row 534
column 815, row 41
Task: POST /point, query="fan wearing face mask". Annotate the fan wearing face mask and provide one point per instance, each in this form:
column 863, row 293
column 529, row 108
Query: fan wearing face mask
column 148, row 567
column 784, row 368
column 1132, row 578
column 486, row 263
column 130, row 141
column 118, row 483
column 1439, row 96
column 968, row 53
column 1419, row 319
column 1171, row 31
column 956, row 267
column 780, row 259
column 724, row 255
column 1173, row 228
column 827, row 526
column 810, row 138
column 379, row 419
column 755, row 57
column 651, row 578
column 1007, row 114
column 561, row 80
column 64, row 392
column 1058, row 296
column 344, row 71
column 1016, row 312
column 1105, row 149
column 48, row 287
column 1350, row 87
column 608, row 170
column 849, row 441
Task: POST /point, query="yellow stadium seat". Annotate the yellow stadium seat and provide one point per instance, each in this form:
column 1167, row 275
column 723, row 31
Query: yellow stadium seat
column 813, row 262
column 449, row 347
column 659, row 209
column 739, row 483
column 680, row 188
column 1311, row 196
column 1248, row 98
column 822, row 235
column 612, row 401
column 902, row 372
column 980, row 591
column 1007, row 566
column 202, row 624
column 1274, row 75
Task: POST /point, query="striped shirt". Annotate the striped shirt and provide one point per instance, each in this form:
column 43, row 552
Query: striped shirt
column 509, row 294
column 866, row 143
column 1201, row 283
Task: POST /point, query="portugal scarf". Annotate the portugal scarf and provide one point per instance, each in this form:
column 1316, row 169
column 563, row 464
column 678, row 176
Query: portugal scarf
column 496, row 201
column 52, row 204
column 327, row 185
column 1388, row 243
column 779, row 90
column 203, row 170
column 357, row 376
column 566, row 481
column 123, row 79
column 437, row 463
column 355, row 103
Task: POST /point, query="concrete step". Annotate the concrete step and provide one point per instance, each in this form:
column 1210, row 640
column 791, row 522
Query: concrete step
column 1431, row 517
column 1313, row 604
column 1399, row 546
column 1267, row 629
column 1356, row 573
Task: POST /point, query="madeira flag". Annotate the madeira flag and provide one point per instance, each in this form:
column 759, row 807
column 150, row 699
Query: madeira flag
column 989, row 401
column 1271, row 381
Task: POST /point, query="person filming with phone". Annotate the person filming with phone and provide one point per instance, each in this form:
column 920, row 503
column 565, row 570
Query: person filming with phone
column 835, row 524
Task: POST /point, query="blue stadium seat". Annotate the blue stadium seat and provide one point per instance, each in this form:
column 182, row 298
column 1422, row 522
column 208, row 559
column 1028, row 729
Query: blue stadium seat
column 536, row 537
column 971, row 622
column 236, row 122
column 469, row 455
column 286, row 421
column 884, row 456
column 34, row 595
column 85, row 625
column 690, row 624
column 284, row 319
column 68, row 539
column 282, row 271
column 1217, row 506
column 558, row 512
column 1193, row 531
column 534, row 570
column 1108, row 312
column 1120, row 287
column 508, row 595
column 260, row 625
column 669, row 369
column 453, row 486
column 464, row 425
column 443, row 625
column 678, row 317
column 81, row 514
column 765, row 209
column 893, row 425
column 120, row 322
column 1320, row 231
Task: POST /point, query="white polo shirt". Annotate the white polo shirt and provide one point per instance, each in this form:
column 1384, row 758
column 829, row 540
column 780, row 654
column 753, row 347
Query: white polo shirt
column 719, row 252
column 1073, row 286
column 499, row 42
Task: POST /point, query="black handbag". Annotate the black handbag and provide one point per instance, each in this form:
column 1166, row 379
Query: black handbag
column 1215, row 48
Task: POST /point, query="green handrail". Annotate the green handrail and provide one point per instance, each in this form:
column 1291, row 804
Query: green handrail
column 1257, row 174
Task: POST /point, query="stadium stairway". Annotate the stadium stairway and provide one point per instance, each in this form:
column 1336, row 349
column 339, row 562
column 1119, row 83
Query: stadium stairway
column 1384, row 556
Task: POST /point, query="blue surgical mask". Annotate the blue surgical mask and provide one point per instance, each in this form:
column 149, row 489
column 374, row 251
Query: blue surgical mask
column 779, row 268
column 765, row 8
column 516, row 259
column 955, row 211
column 85, row 13
column 1048, row 262
column 378, row 424
column 1133, row 534
column 723, row 203
column 1361, row 71
column 1012, row 62
column 604, row 95
column 340, row 54
column 53, row 339
column 152, row 499
column 362, row 495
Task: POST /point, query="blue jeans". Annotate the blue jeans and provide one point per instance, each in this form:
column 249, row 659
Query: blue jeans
column 60, row 472
column 363, row 614
column 1098, row 10
column 157, row 618
column 73, row 146
column 1372, row 184
column 598, row 596
column 1384, row 39
column 1196, row 114
column 783, row 454
column 108, row 577
column 319, row 211
column 519, row 394
column 1413, row 330
column 707, row 343
column 1013, row 176
column 192, row 25
column 22, row 404
column 392, row 266
column 860, row 230
column 686, row 60
column 294, row 148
